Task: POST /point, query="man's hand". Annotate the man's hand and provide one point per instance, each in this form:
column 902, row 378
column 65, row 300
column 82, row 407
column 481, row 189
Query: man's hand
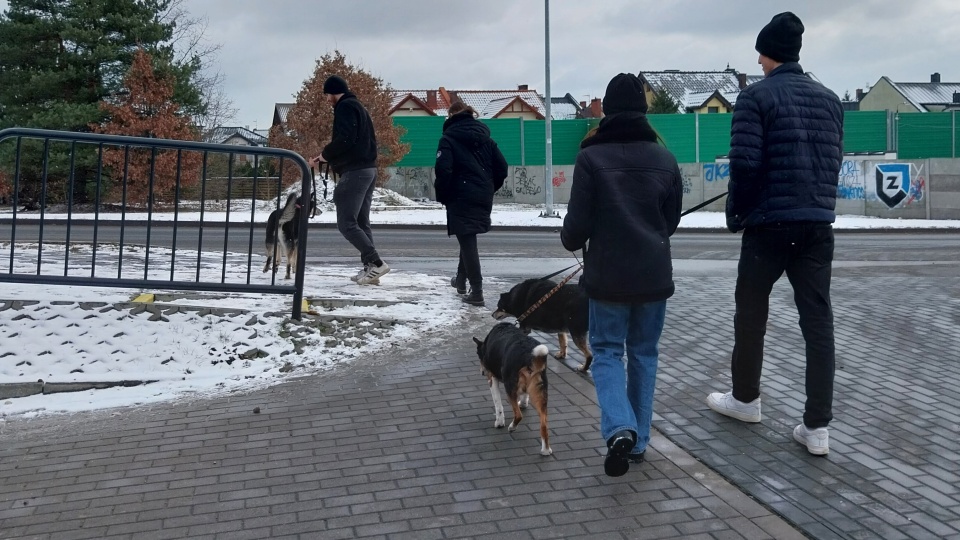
column 733, row 224
column 315, row 161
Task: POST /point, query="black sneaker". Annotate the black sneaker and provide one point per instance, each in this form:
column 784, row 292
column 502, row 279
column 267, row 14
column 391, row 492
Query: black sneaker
column 618, row 447
column 636, row 459
column 475, row 298
column 460, row 287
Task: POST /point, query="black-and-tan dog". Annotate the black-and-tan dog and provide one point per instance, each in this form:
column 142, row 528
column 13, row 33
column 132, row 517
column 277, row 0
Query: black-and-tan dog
column 509, row 356
column 566, row 311
column 283, row 231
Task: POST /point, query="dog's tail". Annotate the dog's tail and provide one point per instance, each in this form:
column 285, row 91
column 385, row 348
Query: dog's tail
column 540, row 353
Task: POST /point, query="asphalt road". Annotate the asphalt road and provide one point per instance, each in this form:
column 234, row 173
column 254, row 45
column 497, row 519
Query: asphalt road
column 511, row 254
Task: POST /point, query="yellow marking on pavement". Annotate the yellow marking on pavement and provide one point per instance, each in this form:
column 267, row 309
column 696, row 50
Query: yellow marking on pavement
column 145, row 298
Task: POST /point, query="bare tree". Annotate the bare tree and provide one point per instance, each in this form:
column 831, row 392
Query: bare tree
column 190, row 44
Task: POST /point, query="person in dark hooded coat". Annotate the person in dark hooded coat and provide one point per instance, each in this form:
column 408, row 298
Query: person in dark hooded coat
column 470, row 168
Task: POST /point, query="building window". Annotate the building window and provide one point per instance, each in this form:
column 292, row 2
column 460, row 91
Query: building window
column 713, row 109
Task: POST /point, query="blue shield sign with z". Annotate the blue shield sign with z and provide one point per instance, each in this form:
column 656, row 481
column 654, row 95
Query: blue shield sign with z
column 893, row 183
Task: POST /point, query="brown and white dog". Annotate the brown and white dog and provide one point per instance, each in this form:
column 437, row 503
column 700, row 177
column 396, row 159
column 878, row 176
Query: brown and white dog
column 518, row 361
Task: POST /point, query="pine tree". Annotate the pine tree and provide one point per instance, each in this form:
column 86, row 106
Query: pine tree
column 147, row 109
column 59, row 59
column 310, row 120
column 663, row 103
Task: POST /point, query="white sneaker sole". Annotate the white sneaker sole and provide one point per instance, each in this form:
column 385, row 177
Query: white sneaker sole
column 813, row 450
column 732, row 413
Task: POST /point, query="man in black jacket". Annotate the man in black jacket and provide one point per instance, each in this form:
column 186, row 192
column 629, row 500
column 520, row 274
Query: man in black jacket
column 785, row 157
column 352, row 154
column 625, row 201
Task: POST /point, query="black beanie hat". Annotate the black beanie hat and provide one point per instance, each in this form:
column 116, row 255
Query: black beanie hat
column 780, row 39
column 335, row 85
column 624, row 93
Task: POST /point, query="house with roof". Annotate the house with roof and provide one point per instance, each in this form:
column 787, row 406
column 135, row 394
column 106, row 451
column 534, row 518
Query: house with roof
column 933, row 96
column 238, row 136
column 698, row 91
column 280, row 111
column 520, row 103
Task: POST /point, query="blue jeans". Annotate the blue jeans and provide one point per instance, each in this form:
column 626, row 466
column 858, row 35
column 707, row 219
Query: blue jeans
column 626, row 396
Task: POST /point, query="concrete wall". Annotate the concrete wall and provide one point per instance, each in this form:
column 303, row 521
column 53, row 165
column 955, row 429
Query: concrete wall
column 890, row 188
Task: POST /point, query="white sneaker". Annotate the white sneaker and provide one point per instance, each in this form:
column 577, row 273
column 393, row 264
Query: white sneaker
column 360, row 273
column 728, row 405
column 373, row 274
column 817, row 440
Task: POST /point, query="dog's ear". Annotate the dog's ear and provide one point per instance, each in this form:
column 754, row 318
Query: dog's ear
column 477, row 341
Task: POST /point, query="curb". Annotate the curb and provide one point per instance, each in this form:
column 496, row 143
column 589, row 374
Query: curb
column 18, row 390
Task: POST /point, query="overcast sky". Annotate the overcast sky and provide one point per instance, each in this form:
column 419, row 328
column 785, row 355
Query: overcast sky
column 269, row 47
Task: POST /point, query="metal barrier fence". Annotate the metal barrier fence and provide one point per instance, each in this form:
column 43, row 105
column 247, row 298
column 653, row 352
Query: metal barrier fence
column 137, row 229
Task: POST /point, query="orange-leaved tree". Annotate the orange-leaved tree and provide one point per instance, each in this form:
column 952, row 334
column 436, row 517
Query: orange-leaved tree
column 310, row 120
column 145, row 108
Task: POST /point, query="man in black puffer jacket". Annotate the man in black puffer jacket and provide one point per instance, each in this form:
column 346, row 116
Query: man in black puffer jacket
column 470, row 168
column 352, row 154
column 625, row 201
column 786, row 150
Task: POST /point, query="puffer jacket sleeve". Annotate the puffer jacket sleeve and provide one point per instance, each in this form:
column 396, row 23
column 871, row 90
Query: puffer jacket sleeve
column 746, row 160
column 578, row 223
column 443, row 185
column 498, row 164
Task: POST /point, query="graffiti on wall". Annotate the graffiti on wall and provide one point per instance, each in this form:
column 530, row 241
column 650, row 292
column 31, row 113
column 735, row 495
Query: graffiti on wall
column 852, row 183
column 898, row 185
column 525, row 183
column 505, row 191
column 715, row 172
column 687, row 185
column 415, row 182
column 559, row 179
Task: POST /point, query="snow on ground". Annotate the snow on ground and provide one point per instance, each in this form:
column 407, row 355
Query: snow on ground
column 248, row 340
column 82, row 334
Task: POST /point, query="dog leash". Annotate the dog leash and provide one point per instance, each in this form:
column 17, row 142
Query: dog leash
column 701, row 205
column 534, row 307
column 561, row 271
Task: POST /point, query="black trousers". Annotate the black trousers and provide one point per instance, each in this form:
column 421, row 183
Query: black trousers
column 468, row 269
column 804, row 250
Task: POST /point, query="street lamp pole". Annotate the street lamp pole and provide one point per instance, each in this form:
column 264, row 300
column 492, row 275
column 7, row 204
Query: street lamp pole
column 548, row 164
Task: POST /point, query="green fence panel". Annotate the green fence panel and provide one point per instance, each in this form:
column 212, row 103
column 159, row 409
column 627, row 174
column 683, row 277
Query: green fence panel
column 865, row 131
column 567, row 136
column 506, row 132
column 920, row 135
column 924, row 135
column 714, row 135
column 535, row 142
column 677, row 132
column 423, row 134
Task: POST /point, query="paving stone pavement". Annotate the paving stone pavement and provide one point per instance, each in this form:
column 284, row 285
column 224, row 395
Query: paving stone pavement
column 402, row 445
column 397, row 446
column 893, row 471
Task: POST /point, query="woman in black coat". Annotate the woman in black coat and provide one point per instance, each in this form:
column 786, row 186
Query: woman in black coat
column 470, row 168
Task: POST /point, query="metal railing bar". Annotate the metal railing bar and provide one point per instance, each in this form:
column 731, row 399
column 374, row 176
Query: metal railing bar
column 43, row 201
column 253, row 213
column 226, row 224
column 176, row 214
column 96, row 210
column 128, row 283
column 123, row 208
column 203, row 204
column 152, row 183
column 70, row 185
column 16, row 202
